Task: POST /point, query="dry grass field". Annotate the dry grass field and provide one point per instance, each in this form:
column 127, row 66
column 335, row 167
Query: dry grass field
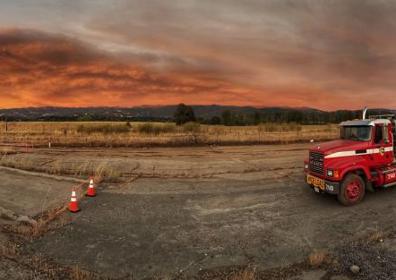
column 138, row 134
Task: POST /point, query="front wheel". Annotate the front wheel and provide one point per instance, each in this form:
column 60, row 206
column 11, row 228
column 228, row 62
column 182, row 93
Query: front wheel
column 352, row 190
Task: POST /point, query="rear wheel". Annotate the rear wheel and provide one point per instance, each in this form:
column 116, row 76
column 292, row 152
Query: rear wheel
column 352, row 190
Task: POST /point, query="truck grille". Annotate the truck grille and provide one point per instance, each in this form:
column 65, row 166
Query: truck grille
column 316, row 162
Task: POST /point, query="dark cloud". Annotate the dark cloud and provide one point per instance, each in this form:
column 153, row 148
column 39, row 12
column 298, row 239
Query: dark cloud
column 327, row 54
column 44, row 69
column 335, row 47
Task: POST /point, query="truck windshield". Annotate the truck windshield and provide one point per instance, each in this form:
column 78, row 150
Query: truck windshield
column 356, row 133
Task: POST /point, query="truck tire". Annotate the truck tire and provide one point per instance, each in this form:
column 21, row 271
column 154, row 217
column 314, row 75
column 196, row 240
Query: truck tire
column 352, row 190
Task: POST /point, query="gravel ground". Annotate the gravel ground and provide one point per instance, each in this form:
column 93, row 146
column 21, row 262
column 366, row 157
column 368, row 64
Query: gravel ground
column 206, row 213
column 11, row 269
column 374, row 260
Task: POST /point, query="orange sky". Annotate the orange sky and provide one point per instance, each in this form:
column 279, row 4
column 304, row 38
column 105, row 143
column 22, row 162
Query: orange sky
column 258, row 53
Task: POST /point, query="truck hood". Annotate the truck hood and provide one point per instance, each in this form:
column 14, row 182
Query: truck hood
column 339, row 146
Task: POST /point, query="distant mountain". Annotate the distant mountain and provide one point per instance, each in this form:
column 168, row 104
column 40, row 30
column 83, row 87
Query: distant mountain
column 161, row 113
column 133, row 113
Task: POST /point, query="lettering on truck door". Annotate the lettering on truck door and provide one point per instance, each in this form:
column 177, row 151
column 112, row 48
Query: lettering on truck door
column 382, row 149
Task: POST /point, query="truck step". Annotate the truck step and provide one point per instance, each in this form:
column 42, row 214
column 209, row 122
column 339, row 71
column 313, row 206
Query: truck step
column 390, row 185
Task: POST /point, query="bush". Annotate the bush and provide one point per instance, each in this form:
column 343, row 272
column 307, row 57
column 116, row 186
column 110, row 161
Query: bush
column 267, row 127
column 279, row 127
column 155, row 129
column 215, row 120
column 192, row 127
column 104, row 128
column 293, row 127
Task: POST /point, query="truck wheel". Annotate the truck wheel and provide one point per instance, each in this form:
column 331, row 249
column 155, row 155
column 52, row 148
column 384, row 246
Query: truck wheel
column 352, row 190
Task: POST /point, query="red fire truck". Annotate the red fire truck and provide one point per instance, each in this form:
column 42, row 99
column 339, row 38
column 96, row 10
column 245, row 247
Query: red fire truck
column 361, row 160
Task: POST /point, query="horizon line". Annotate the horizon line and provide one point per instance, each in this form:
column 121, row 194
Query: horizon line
column 192, row 105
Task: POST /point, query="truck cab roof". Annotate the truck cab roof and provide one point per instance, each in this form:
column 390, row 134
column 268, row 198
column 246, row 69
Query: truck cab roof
column 368, row 122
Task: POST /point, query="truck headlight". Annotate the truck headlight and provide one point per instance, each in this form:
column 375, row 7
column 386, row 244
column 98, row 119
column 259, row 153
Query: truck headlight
column 330, row 173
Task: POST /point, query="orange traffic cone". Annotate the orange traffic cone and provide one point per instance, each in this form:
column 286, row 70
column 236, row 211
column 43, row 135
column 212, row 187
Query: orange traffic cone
column 91, row 188
column 73, row 205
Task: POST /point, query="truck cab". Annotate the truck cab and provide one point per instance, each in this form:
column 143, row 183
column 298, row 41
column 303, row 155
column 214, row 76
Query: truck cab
column 361, row 160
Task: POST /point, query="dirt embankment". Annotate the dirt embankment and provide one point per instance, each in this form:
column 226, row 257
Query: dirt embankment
column 192, row 162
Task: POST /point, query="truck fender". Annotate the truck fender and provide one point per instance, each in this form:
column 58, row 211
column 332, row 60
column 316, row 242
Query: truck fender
column 359, row 169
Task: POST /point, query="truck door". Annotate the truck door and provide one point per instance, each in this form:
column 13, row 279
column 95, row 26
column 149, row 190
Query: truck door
column 382, row 142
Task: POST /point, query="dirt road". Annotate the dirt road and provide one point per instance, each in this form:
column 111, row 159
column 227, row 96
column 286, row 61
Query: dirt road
column 191, row 210
column 190, row 162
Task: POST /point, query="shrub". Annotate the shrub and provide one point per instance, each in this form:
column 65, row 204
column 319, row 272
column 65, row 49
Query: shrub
column 104, row 129
column 317, row 258
column 268, row 127
column 293, row 127
column 192, row 127
column 156, row 129
column 215, row 120
column 279, row 127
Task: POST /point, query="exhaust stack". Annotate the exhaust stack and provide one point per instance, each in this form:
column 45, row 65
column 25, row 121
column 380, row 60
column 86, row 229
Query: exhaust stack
column 365, row 113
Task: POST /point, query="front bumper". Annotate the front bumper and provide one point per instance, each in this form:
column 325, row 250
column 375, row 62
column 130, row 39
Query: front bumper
column 329, row 186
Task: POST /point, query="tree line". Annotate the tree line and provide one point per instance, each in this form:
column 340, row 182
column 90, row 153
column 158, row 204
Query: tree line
column 185, row 113
column 182, row 113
